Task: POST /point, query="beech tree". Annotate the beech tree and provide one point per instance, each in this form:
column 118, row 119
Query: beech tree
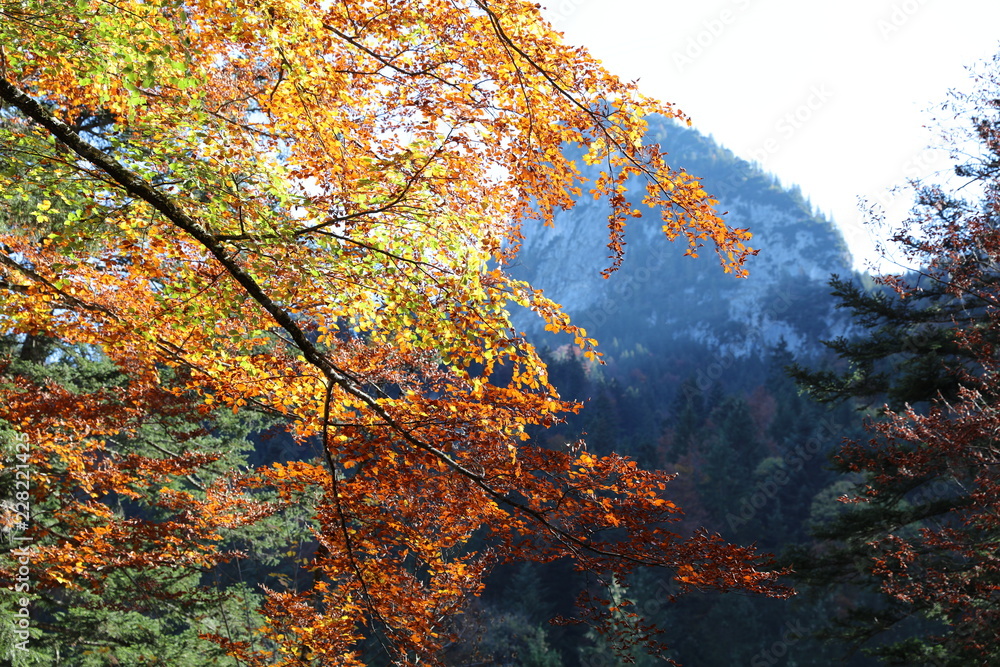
column 922, row 527
column 303, row 208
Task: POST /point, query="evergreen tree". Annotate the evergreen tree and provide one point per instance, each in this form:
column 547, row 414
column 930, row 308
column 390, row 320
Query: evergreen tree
column 918, row 547
column 908, row 353
column 137, row 609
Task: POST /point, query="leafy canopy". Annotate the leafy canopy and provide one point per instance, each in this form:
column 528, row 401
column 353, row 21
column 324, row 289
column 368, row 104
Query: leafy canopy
column 304, row 208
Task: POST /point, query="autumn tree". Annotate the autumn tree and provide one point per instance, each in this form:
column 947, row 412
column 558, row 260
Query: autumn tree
column 151, row 606
column 303, row 209
column 921, row 529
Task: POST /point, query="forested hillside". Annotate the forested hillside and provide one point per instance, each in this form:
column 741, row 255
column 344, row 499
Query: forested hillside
column 692, row 381
column 863, row 456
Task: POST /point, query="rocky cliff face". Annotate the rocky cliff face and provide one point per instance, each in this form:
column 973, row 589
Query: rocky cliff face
column 660, row 296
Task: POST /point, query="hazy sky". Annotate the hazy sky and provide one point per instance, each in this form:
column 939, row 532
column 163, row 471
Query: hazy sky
column 832, row 96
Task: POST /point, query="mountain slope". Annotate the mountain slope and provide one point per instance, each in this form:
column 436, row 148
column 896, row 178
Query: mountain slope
column 659, row 296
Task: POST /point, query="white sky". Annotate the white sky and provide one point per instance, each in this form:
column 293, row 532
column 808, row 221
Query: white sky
column 830, row 95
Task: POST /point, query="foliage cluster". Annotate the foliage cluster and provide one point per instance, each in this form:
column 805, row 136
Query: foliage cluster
column 302, row 209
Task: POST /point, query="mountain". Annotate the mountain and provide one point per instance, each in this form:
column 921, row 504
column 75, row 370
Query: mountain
column 694, row 384
column 663, row 298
